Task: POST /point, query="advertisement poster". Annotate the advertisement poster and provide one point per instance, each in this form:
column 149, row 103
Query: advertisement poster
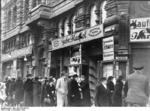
column 140, row 30
column 108, row 48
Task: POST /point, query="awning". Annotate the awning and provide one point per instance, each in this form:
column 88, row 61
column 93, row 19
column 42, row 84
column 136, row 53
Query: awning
column 17, row 54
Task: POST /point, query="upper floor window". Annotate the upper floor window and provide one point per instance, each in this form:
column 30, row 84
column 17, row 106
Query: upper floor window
column 60, row 28
column 26, row 9
column 66, row 27
column 9, row 19
column 104, row 12
column 14, row 15
column 73, row 25
column 93, row 16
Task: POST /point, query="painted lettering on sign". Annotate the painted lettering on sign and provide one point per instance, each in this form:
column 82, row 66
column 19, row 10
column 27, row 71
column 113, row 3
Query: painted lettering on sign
column 94, row 32
column 140, row 30
column 108, row 48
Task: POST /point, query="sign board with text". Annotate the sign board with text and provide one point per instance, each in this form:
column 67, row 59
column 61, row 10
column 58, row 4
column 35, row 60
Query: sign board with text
column 108, row 48
column 79, row 37
column 140, row 30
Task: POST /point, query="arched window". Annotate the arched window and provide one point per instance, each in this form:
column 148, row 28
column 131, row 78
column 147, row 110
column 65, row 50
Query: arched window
column 93, row 16
column 14, row 15
column 26, row 9
column 66, row 27
column 60, row 28
column 104, row 12
column 73, row 24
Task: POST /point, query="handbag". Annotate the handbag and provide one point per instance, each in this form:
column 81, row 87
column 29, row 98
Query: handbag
column 47, row 100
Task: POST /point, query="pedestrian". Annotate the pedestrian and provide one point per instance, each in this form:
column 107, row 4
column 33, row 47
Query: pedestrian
column 19, row 93
column 45, row 82
column 111, row 87
column 50, row 93
column 2, row 93
column 74, row 95
column 36, row 92
column 85, row 90
column 28, row 91
column 138, row 88
column 62, row 89
column 117, row 95
column 102, row 97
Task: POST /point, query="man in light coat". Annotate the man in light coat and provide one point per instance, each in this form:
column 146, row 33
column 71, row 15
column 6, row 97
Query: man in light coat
column 138, row 88
column 62, row 89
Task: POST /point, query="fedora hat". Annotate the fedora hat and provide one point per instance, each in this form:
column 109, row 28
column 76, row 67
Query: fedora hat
column 138, row 67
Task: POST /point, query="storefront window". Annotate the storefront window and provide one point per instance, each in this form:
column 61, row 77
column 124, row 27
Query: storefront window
column 107, row 70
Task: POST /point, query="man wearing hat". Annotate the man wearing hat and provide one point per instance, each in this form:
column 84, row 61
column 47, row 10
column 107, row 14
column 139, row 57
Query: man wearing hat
column 62, row 89
column 102, row 96
column 74, row 96
column 138, row 87
column 28, row 91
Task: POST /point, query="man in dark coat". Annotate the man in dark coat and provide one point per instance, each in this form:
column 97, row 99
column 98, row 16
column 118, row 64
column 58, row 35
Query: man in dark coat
column 84, row 85
column 36, row 92
column 102, row 97
column 28, row 91
column 117, row 95
column 19, row 91
column 111, row 87
column 73, row 92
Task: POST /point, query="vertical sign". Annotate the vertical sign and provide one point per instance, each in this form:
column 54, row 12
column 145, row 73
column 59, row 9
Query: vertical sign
column 108, row 48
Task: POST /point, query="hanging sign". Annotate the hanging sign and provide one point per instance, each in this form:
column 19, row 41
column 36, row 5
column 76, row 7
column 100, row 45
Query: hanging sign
column 75, row 60
column 108, row 48
column 140, row 30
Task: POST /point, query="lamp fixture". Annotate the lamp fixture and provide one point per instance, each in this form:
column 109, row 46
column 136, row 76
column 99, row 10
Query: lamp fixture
column 25, row 58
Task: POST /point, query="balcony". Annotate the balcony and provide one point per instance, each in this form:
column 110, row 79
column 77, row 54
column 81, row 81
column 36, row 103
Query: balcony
column 39, row 12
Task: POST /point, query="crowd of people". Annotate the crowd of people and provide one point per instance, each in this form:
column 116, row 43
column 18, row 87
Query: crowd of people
column 72, row 90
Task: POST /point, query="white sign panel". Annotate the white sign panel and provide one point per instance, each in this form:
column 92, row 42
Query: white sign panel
column 140, row 30
column 108, row 48
column 75, row 60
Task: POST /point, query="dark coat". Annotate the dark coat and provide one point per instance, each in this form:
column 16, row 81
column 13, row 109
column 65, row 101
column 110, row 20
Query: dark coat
column 28, row 92
column 74, row 96
column 117, row 96
column 111, row 87
column 102, row 97
column 50, row 93
column 19, row 93
column 36, row 93
column 85, row 93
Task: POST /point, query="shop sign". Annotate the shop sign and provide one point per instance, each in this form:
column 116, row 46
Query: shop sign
column 122, row 58
column 140, row 30
column 56, row 43
column 110, row 28
column 108, row 48
column 79, row 37
column 75, row 60
column 95, row 32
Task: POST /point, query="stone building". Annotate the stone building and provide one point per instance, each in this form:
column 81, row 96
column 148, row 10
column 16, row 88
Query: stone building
column 90, row 37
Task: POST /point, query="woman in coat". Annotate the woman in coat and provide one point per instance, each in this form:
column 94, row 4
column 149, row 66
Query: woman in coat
column 117, row 95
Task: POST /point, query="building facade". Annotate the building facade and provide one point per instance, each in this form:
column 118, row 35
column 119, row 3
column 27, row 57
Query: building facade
column 94, row 38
